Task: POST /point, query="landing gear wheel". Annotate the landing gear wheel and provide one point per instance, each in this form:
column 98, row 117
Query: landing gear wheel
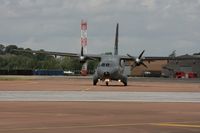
column 94, row 82
column 125, row 83
column 106, row 83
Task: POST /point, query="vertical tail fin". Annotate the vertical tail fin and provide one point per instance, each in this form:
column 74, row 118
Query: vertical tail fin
column 116, row 40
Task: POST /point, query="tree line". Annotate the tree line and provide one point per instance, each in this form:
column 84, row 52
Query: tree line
column 12, row 60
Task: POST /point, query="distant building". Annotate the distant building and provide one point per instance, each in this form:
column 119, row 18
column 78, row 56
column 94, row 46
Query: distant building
column 186, row 66
column 168, row 68
column 154, row 68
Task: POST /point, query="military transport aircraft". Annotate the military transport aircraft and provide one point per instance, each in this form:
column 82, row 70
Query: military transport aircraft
column 111, row 67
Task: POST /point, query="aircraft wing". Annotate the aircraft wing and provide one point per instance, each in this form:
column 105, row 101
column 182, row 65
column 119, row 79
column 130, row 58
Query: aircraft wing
column 46, row 52
column 154, row 58
column 140, row 60
column 75, row 55
column 93, row 56
column 169, row 58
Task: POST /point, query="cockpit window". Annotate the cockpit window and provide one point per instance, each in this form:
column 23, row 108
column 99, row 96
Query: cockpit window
column 105, row 64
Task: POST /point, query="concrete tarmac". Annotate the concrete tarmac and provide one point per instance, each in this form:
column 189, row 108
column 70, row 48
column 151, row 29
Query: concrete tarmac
column 49, row 105
column 99, row 117
column 85, row 84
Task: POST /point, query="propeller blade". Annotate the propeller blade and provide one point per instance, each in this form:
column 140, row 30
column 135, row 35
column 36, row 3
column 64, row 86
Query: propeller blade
column 131, row 57
column 92, row 58
column 138, row 61
column 144, row 64
column 82, row 51
column 141, row 54
column 132, row 67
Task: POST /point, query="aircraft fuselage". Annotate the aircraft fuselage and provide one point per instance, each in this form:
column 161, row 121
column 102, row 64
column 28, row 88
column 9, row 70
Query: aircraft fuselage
column 110, row 68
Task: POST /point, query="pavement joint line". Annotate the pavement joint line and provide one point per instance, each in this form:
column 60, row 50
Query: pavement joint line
column 74, row 126
column 99, row 96
column 170, row 124
column 87, row 89
column 176, row 125
column 181, row 122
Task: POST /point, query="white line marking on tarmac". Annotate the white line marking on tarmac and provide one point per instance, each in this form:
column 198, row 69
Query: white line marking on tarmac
column 100, row 126
column 100, row 96
column 176, row 125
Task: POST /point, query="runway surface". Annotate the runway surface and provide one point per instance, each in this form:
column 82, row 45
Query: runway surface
column 82, row 84
column 74, row 105
column 99, row 96
column 99, row 117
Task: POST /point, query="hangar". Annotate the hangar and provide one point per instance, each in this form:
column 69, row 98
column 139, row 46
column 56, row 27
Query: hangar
column 184, row 66
column 169, row 68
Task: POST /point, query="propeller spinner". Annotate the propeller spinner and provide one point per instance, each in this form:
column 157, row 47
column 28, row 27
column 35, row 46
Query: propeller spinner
column 138, row 61
column 82, row 58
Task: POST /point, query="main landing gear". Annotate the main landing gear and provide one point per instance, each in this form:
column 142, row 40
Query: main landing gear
column 125, row 83
column 95, row 82
column 108, row 80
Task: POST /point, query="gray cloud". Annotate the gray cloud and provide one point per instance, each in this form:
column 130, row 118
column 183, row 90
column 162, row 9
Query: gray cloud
column 157, row 26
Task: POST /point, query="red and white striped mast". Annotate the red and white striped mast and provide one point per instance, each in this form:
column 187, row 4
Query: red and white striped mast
column 84, row 44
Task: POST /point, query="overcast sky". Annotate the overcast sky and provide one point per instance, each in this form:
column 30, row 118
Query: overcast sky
column 158, row 26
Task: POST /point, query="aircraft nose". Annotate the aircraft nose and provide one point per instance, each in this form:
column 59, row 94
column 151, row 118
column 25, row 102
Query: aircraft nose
column 106, row 74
